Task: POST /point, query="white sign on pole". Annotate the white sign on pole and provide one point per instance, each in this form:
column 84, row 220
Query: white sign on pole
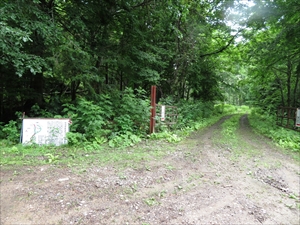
column 163, row 112
column 298, row 118
column 45, row 131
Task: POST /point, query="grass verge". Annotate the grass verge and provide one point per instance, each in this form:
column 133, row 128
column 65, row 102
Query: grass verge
column 286, row 139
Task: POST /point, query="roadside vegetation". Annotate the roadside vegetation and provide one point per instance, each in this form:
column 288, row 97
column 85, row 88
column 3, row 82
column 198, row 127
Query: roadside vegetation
column 127, row 139
column 265, row 124
column 95, row 62
column 95, row 138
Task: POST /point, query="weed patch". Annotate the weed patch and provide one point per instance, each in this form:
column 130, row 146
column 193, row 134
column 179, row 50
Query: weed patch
column 265, row 124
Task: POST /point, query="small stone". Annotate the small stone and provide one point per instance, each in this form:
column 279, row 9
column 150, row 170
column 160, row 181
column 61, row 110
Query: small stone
column 63, row 179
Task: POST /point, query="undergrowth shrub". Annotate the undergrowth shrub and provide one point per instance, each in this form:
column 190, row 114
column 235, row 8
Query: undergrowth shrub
column 225, row 108
column 266, row 124
column 36, row 111
column 192, row 112
column 121, row 117
column 192, row 116
column 132, row 112
column 124, row 140
column 168, row 136
column 75, row 138
column 11, row 132
column 244, row 108
column 88, row 118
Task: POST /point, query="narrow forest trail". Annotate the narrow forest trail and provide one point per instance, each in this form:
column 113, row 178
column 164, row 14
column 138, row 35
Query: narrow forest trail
column 205, row 179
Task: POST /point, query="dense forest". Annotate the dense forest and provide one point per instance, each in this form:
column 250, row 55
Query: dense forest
column 95, row 61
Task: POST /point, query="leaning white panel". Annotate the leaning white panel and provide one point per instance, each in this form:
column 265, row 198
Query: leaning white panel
column 298, row 118
column 45, row 131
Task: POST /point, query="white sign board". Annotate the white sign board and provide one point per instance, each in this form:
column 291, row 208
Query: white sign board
column 298, row 118
column 45, row 131
column 163, row 113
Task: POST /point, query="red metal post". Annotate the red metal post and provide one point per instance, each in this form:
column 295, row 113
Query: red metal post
column 153, row 109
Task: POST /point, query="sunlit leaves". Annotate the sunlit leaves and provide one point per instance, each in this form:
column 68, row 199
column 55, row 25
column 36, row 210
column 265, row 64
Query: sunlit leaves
column 273, row 51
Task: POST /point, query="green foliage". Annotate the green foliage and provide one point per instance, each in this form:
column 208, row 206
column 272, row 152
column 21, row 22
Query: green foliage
column 93, row 151
column 226, row 108
column 123, row 140
column 195, row 117
column 75, row 139
column 88, row 118
column 219, row 108
column 265, row 124
column 13, row 53
column 11, row 132
column 183, row 47
column 193, row 111
column 203, row 123
column 36, row 111
column 273, row 78
column 91, row 146
column 230, row 126
column 132, row 112
column 28, row 154
column 46, row 62
column 116, row 119
column 166, row 135
column 50, row 158
column 14, row 150
column 151, row 201
column 195, row 121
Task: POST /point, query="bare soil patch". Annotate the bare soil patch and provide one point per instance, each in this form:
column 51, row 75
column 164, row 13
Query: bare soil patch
column 202, row 181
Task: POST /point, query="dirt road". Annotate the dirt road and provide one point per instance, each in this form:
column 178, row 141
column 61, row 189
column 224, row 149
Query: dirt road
column 203, row 180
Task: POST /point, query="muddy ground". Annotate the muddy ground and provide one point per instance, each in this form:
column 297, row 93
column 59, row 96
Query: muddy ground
column 203, row 180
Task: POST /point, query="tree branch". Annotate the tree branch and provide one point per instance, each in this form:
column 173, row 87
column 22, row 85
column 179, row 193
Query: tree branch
column 223, row 48
column 145, row 2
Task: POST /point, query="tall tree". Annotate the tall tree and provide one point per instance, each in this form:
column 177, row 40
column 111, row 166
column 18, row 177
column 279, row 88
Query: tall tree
column 56, row 50
column 274, row 51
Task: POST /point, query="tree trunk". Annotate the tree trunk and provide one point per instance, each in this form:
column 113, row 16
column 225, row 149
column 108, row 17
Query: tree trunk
column 1, row 97
column 288, row 82
column 121, row 81
column 106, row 74
column 35, row 93
column 296, row 86
column 281, row 88
column 74, row 87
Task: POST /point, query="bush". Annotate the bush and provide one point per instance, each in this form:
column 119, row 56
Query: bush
column 11, row 132
column 225, row 108
column 124, row 140
column 191, row 112
column 75, row 138
column 118, row 113
column 132, row 112
column 265, row 124
column 87, row 117
column 36, row 111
